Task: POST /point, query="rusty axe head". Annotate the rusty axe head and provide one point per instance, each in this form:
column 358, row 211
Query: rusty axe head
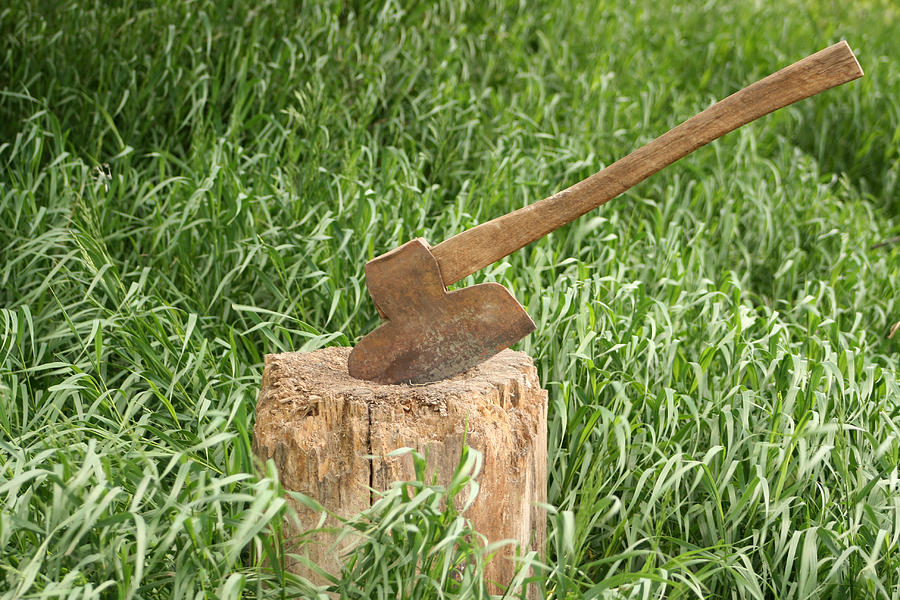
column 430, row 333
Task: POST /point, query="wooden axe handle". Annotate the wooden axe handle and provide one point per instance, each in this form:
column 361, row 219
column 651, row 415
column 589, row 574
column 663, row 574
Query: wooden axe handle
column 476, row 248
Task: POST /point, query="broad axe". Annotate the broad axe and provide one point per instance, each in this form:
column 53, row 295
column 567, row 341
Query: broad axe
column 430, row 333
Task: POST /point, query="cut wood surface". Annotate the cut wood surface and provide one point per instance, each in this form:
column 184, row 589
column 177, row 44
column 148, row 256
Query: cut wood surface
column 318, row 424
column 476, row 248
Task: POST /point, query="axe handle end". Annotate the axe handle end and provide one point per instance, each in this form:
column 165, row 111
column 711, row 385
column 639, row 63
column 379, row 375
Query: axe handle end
column 476, row 248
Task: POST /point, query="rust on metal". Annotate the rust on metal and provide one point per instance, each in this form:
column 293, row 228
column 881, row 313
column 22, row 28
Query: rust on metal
column 429, row 333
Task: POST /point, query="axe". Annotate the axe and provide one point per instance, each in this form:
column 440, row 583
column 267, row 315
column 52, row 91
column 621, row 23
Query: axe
column 430, row 333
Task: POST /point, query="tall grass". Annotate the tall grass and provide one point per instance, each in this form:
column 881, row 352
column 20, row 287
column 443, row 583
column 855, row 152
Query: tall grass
column 188, row 186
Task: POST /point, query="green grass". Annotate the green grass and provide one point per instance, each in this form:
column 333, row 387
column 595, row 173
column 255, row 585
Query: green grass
column 188, row 186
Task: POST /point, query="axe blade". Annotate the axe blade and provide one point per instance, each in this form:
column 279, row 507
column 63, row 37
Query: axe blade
column 429, row 333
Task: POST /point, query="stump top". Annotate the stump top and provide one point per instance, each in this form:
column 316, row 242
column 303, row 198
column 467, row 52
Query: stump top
column 295, row 383
column 326, row 370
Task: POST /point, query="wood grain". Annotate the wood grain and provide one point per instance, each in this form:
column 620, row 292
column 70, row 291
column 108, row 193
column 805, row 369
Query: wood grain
column 487, row 243
column 318, row 424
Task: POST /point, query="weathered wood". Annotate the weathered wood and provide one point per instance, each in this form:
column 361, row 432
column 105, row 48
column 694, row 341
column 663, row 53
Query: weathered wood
column 317, row 423
column 476, row 248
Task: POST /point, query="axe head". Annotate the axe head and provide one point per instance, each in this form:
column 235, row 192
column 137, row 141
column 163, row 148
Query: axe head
column 429, row 333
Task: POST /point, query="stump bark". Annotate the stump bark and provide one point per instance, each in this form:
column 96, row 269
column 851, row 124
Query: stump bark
column 319, row 424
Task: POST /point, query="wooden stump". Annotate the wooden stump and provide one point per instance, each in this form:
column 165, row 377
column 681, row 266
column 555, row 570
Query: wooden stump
column 318, row 424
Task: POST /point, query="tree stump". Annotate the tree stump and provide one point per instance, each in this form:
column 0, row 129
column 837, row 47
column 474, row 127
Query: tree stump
column 319, row 425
